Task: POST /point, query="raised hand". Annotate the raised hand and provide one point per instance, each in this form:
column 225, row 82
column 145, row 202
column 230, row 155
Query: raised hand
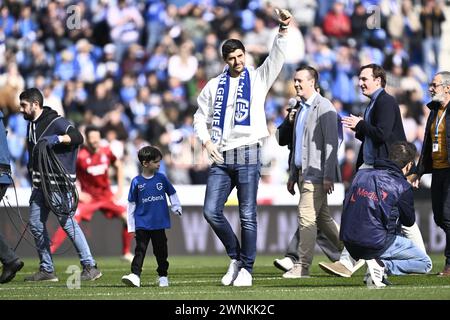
column 284, row 16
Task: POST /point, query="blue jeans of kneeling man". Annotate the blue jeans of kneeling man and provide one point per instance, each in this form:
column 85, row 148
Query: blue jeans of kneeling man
column 404, row 257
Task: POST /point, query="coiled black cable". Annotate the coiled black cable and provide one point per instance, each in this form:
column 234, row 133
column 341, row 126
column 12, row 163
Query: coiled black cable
column 25, row 225
column 59, row 190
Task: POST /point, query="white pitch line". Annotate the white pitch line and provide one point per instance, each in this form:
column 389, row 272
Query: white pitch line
column 224, row 292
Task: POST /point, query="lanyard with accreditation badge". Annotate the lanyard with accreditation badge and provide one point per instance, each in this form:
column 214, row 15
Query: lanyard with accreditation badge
column 436, row 130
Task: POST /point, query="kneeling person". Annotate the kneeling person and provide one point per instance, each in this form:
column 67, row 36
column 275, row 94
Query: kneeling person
column 378, row 202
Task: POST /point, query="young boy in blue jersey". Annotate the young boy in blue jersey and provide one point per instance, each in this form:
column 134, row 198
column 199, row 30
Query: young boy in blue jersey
column 148, row 215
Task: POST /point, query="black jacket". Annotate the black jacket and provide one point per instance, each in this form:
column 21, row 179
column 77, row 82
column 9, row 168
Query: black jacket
column 50, row 123
column 385, row 127
column 284, row 134
column 425, row 164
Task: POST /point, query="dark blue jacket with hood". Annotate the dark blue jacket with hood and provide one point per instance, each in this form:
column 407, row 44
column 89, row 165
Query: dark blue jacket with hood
column 377, row 203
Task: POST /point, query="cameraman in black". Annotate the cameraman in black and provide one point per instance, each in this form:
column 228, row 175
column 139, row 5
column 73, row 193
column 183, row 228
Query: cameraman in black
column 11, row 262
column 46, row 128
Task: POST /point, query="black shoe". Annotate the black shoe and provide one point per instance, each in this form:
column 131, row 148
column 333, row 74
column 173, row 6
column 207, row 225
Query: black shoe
column 10, row 270
column 42, row 275
column 386, row 281
column 90, row 273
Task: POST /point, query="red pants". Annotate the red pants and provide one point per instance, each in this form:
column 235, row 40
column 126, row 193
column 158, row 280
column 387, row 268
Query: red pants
column 85, row 211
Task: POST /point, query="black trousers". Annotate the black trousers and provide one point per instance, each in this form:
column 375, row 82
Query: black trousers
column 6, row 254
column 440, row 201
column 159, row 244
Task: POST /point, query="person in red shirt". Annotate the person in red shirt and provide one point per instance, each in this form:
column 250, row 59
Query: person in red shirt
column 336, row 23
column 94, row 186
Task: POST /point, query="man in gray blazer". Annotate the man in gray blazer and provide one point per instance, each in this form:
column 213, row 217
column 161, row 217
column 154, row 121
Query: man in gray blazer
column 313, row 166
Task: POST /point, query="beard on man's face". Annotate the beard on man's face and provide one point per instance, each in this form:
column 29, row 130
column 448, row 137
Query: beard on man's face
column 27, row 116
column 438, row 97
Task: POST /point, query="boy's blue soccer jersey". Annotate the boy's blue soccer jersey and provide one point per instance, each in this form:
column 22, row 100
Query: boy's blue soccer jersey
column 149, row 194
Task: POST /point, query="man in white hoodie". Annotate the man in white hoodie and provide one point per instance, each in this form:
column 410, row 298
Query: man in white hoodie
column 231, row 123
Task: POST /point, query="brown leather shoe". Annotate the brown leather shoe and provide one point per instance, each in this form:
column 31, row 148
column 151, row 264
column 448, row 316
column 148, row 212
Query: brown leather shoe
column 336, row 269
column 445, row 272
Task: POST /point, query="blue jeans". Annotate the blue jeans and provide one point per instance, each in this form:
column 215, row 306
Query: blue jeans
column 38, row 218
column 403, row 257
column 431, row 47
column 242, row 169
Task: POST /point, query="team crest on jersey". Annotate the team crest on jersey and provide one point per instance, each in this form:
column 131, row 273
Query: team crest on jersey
column 159, row 186
column 242, row 110
column 216, row 135
column 88, row 161
column 103, row 158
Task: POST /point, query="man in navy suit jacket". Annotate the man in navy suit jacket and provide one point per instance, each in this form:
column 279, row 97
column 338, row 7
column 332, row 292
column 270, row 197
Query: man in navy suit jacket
column 380, row 127
column 382, row 123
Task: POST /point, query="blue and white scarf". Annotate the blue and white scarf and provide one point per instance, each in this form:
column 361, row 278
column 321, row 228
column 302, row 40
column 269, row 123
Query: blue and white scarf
column 242, row 107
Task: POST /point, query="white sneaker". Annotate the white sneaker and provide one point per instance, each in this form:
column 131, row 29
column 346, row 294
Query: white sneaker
column 284, row 264
column 358, row 265
column 244, row 279
column 368, row 279
column 163, row 281
column 127, row 257
column 376, row 273
column 132, row 280
column 296, row 272
column 232, row 273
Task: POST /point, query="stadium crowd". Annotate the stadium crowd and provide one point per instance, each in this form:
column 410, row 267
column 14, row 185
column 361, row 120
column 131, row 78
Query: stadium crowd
column 135, row 67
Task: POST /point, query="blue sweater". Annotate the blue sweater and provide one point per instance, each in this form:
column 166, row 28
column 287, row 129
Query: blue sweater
column 149, row 195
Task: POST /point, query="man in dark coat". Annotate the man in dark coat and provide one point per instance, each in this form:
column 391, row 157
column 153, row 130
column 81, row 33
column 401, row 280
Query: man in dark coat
column 435, row 157
column 382, row 123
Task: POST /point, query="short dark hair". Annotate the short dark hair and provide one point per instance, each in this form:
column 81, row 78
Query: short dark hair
column 32, row 95
column 312, row 73
column 231, row 45
column 148, row 154
column 90, row 128
column 377, row 72
column 402, row 153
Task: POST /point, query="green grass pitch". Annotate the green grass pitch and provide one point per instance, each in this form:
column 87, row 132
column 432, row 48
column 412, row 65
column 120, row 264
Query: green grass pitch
column 198, row 278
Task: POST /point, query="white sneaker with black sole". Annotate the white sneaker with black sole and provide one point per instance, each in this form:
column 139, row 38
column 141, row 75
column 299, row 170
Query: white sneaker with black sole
column 376, row 274
column 132, row 280
column 284, row 264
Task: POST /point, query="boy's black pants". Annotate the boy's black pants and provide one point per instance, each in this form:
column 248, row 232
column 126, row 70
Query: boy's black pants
column 159, row 244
